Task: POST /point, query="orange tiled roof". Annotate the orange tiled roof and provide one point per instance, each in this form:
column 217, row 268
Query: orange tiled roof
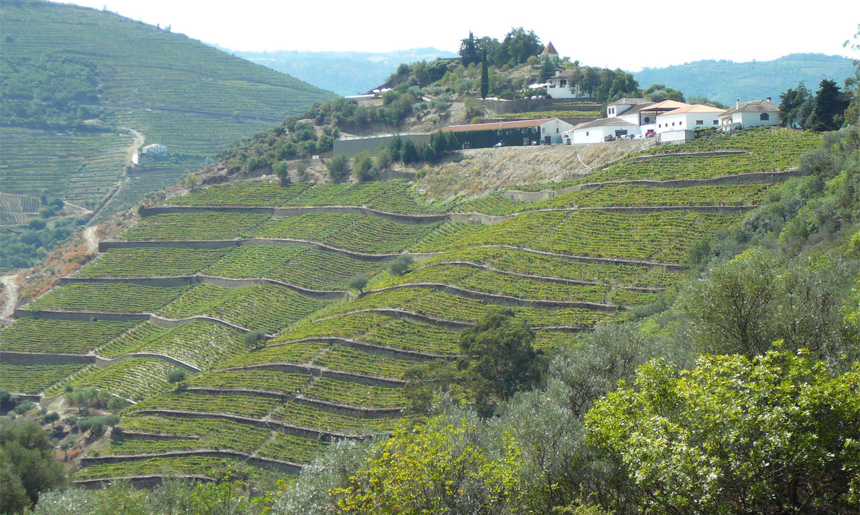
column 519, row 124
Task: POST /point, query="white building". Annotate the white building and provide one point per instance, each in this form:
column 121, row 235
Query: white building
column 596, row 131
column 689, row 117
column 548, row 131
column 627, row 109
column 750, row 114
column 155, row 149
column 562, row 85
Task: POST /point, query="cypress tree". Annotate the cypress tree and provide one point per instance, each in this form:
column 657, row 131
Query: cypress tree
column 485, row 76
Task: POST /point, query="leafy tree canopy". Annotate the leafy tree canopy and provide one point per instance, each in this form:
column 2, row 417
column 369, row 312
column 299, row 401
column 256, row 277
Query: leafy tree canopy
column 27, row 464
column 771, row 434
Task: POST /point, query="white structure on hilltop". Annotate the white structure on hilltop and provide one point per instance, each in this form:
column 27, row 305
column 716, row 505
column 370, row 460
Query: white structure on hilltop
column 750, row 114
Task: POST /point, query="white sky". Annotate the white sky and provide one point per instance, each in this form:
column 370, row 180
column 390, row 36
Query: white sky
column 620, row 34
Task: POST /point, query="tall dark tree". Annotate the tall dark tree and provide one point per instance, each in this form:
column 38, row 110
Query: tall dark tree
column 795, row 106
column 547, row 68
column 519, row 45
column 829, row 109
column 492, row 48
column 469, row 50
column 485, row 76
column 499, row 358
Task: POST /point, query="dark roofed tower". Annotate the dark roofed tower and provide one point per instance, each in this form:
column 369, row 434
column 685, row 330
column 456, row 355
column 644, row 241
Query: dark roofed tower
column 549, row 50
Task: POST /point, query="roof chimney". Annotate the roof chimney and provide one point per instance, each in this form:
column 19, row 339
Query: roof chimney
column 739, row 103
column 768, row 99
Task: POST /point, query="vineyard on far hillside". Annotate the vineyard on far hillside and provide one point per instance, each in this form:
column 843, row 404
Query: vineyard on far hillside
column 125, row 84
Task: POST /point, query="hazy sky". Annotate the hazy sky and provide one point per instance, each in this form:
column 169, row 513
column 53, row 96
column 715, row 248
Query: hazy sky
column 619, row 34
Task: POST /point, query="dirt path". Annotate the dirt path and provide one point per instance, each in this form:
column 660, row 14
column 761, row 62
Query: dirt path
column 92, row 239
column 136, row 143
column 10, row 294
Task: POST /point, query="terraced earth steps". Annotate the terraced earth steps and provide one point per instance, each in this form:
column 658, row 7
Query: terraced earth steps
column 142, row 481
column 102, row 362
column 376, row 349
column 285, row 212
column 561, row 280
column 281, row 465
column 690, row 154
column 669, row 267
column 167, row 323
column 226, row 282
column 317, row 371
column 727, row 180
column 290, row 429
column 143, row 435
column 402, row 313
column 503, row 300
column 104, row 246
column 37, row 358
column 336, row 407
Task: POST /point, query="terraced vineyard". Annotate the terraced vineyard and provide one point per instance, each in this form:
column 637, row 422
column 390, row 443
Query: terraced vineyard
column 334, row 363
column 59, row 336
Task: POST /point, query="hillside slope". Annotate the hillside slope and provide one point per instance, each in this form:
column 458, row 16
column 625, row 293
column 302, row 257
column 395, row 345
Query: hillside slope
column 136, row 85
column 182, row 288
column 726, row 81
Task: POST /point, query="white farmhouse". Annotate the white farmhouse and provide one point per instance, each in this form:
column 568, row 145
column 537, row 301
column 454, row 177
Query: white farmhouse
column 750, row 114
column 596, row 131
column 562, row 85
column 689, row 118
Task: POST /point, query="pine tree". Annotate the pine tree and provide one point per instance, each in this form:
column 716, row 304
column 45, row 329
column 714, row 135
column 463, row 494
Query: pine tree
column 469, row 51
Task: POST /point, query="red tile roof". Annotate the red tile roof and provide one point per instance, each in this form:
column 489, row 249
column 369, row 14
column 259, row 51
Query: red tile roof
column 519, row 124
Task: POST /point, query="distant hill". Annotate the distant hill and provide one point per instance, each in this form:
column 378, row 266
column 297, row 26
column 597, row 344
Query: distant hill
column 726, row 81
column 83, row 89
column 345, row 73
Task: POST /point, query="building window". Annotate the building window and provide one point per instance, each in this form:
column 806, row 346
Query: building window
column 716, row 122
column 700, row 122
column 586, row 133
column 764, row 117
column 647, row 119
